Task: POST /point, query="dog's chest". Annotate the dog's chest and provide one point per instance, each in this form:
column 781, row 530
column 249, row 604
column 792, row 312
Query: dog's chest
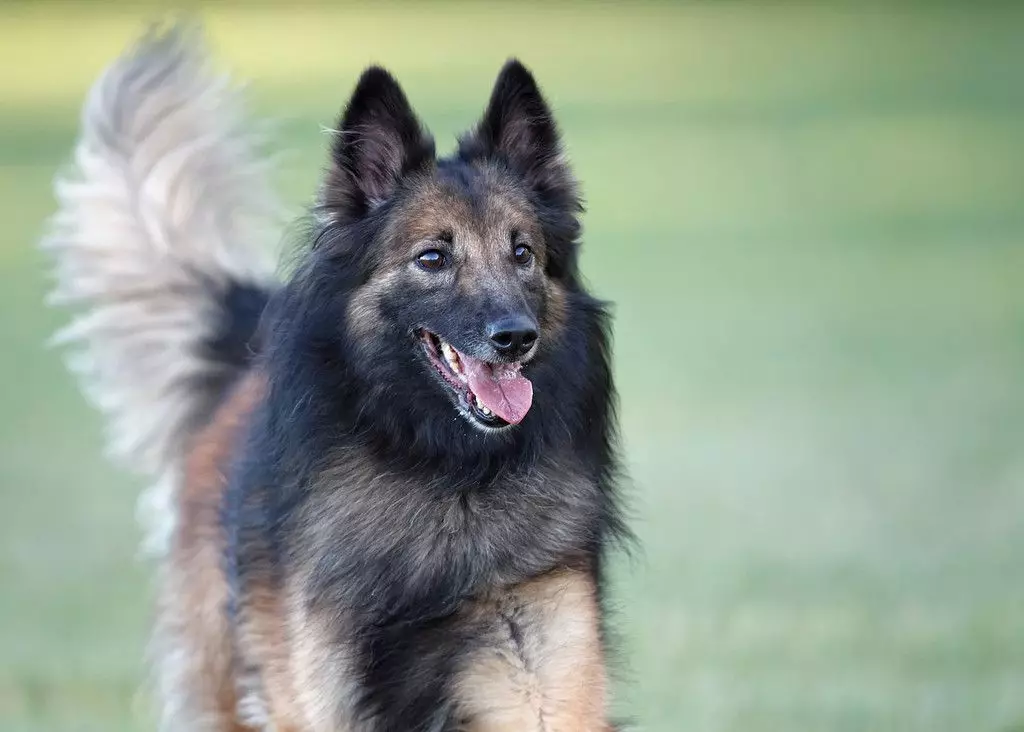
column 538, row 665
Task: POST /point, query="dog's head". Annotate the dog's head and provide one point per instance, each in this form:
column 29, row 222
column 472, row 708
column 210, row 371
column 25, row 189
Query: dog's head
column 455, row 278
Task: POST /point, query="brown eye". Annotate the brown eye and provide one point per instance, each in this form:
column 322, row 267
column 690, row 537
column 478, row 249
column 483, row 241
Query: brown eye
column 431, row 260
column 523, row 254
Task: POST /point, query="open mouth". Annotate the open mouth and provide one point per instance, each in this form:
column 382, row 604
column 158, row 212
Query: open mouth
column 493, row 394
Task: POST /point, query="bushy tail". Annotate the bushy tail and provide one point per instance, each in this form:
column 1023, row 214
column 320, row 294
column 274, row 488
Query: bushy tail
column 160, row 243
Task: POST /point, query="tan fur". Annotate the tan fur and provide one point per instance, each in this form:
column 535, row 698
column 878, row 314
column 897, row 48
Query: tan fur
column 545, row 676
column 481, row 233
column 264, row 641
column 557, row 311
column 324, row 681
column 543, row 670
column 192, row 623
column 364, row 315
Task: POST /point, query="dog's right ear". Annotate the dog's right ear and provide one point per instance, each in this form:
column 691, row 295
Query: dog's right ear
column 378, row 141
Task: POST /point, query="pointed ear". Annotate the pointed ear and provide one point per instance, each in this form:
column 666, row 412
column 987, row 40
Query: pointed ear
column 379, row 140
column 518, row 127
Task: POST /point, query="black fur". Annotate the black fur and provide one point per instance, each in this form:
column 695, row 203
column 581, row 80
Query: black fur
column 356, row 463
column 234, row 341
column 377, row 141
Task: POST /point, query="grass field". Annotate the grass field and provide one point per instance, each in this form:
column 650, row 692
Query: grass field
column 812, row 222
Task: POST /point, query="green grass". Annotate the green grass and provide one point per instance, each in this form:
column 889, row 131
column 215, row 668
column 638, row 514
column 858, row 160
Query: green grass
column 812, row 222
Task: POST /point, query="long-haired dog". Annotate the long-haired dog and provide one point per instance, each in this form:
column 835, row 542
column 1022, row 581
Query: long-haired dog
column 384, row 488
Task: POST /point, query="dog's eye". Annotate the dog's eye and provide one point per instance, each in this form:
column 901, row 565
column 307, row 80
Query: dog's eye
column 431, row 260
column 523, row 254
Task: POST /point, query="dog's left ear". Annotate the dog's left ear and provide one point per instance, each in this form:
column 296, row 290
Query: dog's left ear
column 518, row 127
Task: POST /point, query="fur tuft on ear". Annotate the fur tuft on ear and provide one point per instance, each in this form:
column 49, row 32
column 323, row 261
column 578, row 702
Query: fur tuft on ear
column 379, row 140
column 518, row 127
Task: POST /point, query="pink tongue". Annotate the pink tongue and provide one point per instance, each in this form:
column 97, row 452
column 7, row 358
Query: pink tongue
column 499, row 387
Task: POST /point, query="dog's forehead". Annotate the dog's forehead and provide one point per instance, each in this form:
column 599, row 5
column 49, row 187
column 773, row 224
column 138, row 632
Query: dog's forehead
column 467, row 201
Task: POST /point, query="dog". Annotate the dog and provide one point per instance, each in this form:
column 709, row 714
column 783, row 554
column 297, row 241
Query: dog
column 385, row 486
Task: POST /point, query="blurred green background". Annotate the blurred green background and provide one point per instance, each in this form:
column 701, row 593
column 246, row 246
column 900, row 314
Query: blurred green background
column 811, row 218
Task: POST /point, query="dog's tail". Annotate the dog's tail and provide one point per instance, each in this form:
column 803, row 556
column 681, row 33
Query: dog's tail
column 160, row 244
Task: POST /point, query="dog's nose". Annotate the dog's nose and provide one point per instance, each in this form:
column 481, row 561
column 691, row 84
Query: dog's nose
column 513, row 335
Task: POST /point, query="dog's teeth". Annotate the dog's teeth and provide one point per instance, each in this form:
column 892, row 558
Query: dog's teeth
column 450, row 356
column 486, row 411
